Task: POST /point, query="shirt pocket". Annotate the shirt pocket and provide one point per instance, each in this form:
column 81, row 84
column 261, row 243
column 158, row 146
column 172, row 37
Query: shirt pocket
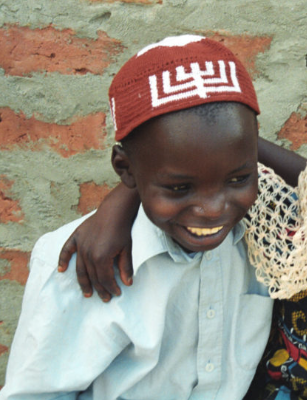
column 252, row 329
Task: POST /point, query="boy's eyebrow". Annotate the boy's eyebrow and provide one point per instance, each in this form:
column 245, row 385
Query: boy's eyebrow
column 166, row 175
column 174, row 176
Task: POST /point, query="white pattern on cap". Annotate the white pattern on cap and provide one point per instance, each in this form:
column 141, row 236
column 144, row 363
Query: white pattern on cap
column 194, row 83
column 172, row 41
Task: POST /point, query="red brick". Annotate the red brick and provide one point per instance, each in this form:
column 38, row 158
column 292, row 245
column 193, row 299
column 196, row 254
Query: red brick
column 18, row 261
column 3, row 349
column 245, row 47
column 10, row 209
column 85, row 133
column 295, row 130
column 24, row 50
column 90, row 196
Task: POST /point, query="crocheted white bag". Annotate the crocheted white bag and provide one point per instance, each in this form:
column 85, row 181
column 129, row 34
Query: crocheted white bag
column 276, row 231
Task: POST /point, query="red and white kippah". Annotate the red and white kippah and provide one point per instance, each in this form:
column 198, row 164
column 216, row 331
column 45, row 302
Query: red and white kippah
column 174, row 74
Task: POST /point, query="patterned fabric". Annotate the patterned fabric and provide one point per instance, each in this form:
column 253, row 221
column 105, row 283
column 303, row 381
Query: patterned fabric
column 282, row 374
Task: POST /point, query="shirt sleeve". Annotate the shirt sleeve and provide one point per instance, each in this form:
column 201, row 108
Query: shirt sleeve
column 63, row 341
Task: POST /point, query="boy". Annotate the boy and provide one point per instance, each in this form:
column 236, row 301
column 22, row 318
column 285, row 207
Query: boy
column 185, row 112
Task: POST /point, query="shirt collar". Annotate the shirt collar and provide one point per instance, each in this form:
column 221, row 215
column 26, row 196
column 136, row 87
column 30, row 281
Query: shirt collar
column 148, row 241
column 238, row 232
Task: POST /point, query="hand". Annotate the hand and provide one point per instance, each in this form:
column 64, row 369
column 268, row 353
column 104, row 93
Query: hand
column 99, row 240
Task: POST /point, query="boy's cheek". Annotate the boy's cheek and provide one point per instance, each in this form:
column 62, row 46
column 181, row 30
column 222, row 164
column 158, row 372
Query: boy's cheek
column 247, row 201
column 160, row 211
column 249, row 195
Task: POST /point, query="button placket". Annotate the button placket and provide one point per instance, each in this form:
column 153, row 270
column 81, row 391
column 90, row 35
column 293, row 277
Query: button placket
column 210, row 320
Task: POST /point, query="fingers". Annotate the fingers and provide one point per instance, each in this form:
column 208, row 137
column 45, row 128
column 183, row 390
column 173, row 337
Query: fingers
column 125, row 265
column 102, row 292
column 106, row 282
column 67, row 251
column 94, row 267
column 83, row 277
column 90, row 273
column 88, row 279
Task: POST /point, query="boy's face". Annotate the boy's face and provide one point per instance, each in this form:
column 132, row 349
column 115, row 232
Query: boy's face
column 196, row 175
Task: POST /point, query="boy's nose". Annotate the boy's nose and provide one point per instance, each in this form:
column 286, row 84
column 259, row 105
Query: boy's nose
column 210, row 207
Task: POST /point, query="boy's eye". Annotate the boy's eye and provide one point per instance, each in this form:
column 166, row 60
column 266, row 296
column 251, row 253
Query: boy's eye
column 178, row 188
column 239, row 179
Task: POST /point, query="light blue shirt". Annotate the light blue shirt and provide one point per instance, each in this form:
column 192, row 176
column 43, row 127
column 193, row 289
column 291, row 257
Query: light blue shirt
column 191, row 326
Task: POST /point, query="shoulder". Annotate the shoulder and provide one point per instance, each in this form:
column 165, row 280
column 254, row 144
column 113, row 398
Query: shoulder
column 44, row 279
column 57, row 297
column 49, row 245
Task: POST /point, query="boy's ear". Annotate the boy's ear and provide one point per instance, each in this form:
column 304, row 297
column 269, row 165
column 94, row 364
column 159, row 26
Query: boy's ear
column 122, row 166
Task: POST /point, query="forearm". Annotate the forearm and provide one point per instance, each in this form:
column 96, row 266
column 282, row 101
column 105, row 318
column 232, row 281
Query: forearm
column 122, row 201
column 285, row 163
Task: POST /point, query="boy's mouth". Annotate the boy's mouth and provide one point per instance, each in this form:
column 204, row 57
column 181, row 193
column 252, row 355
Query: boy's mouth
column 204, row 231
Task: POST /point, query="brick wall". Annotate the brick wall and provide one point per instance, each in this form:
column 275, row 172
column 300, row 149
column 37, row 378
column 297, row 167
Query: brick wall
column 57, row 60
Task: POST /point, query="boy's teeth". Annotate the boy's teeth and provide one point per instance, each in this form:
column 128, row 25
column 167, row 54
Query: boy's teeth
column 204, row 231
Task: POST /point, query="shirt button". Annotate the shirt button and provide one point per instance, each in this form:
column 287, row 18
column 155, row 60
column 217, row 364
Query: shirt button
column 209, row 367
column 210, row 314
column 208, row 255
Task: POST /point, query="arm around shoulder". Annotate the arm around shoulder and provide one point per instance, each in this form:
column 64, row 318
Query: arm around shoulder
column 99, row 240
column 285, row 163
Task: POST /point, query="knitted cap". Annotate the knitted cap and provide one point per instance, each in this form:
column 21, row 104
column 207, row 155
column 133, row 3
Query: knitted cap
column 174, row 74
